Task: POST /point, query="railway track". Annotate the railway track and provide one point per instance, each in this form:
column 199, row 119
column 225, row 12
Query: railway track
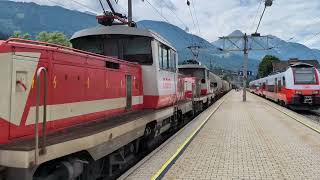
column 311, row 114
column 158, row 143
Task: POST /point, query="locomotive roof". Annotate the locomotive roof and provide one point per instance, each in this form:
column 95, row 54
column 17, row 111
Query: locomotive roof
column 120, row 30
column 302, row 65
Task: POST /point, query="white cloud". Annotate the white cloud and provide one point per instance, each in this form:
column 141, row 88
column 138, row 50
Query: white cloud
column 285, row 18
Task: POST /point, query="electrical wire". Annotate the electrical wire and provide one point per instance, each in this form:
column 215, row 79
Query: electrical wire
column 196, row 17
column 83, row 5
column 159, row 13
column 156, row 10
column 315, row 35
column 179, row 19
column 193, row 43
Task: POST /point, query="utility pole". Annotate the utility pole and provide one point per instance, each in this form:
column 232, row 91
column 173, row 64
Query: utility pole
column 130, row 11
column 245, row 43
column 245, row 67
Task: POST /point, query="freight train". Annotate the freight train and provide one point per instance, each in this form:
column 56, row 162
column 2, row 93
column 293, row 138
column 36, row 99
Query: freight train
column 298, row 87
column 85, row 112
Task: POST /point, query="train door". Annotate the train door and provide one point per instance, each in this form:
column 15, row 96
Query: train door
column 128, row 91
column 279, row 86
column 275, row 85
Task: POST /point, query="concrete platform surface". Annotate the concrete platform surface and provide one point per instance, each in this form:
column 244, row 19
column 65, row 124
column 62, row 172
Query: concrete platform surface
column 253, row 140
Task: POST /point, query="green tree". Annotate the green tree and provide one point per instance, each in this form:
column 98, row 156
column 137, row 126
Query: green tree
column 54, row 38
column 19, row 34
column 265, row 67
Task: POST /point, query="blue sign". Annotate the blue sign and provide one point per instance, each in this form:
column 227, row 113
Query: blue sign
column 249, row 73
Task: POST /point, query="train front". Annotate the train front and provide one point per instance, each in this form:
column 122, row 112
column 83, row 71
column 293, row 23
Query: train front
column 303, row 87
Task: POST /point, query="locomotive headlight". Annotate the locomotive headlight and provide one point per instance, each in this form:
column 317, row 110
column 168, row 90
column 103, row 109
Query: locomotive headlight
column 315, row 92
column 298, row 92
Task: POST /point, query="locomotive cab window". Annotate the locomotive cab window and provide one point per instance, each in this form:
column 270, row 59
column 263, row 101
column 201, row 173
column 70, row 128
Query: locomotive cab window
column 129, row 48
column 167, row 58
column 304, row 75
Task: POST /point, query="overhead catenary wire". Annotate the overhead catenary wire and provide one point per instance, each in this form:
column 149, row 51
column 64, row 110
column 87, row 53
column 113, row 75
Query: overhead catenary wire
column 196, row 17
column 81, row 4
column 164, row 18
column 175, row 14
column 312, row 37
column 188, row 3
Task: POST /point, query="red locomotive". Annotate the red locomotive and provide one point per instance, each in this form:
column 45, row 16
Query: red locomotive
column 298, row 87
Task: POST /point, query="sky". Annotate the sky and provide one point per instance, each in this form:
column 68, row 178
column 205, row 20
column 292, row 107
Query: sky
column 294, row 20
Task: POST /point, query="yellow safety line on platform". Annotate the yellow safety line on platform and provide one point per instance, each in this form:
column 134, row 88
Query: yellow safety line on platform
column 305, row 124
column 181, row 147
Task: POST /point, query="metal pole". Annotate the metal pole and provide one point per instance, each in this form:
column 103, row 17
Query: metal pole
column 245, row 67
column 43, row 148
column 130, row 11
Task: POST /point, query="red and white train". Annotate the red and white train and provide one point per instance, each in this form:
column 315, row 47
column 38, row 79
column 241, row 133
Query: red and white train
column 67, row 113
column 207, row 82
column 298, row 87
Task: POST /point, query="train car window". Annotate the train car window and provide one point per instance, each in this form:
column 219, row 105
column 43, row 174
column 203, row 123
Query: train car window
column 172, row 60
column 284, row 81
column 165, row 58
column 304, row 75
column 275, row 85
column 199, row 73
column 137, row 49
column 93, row 44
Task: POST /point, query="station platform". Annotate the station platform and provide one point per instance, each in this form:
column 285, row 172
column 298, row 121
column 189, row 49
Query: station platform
column 257, row 139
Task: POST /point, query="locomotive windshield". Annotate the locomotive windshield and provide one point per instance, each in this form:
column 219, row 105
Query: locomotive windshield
column 129, row 48
column 304, row 76
column 195, row 72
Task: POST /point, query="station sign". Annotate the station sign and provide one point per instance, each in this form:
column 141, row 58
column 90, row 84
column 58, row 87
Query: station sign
column 249, row 73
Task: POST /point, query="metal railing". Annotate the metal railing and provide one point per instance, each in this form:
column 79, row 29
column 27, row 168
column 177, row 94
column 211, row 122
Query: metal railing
column 44, row 120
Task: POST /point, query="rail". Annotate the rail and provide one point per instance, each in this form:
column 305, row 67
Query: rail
column 44, row 120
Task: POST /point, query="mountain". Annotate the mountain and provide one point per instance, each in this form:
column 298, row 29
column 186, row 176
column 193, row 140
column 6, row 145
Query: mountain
column 33, row 18
column 209, row 53
column 280, row 48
